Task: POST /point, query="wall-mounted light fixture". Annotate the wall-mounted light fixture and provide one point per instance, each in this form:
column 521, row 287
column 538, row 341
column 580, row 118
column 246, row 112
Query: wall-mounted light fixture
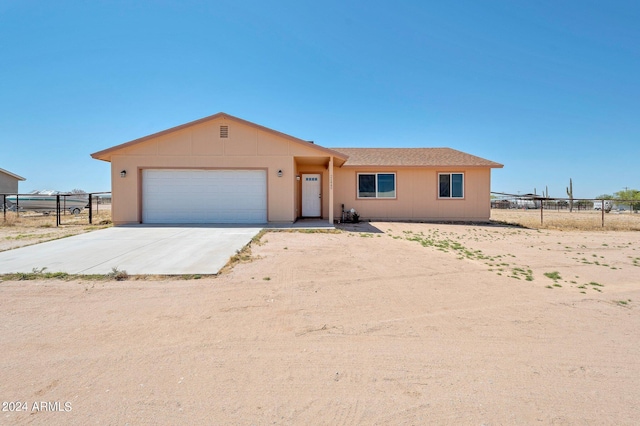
column 280, row 173
column 298, row 177
column 123, row 173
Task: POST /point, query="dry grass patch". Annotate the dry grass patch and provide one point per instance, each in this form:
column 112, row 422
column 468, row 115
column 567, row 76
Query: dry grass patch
column 19, row 230
column 42, row 220
column 244, row 254
column 43, row 274
column 589, row 220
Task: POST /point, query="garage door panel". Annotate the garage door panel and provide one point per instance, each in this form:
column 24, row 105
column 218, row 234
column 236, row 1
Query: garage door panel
column 204, row 196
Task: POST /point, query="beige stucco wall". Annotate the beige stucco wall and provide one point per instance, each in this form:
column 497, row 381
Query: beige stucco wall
column 8, row 185
column 416, row 195
column 200, row 147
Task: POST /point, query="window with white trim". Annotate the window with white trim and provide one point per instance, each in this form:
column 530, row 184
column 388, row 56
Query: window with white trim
column 450, row 185
column 376, row 185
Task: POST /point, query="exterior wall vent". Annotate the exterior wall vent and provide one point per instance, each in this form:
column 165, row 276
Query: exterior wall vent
column 224, row 132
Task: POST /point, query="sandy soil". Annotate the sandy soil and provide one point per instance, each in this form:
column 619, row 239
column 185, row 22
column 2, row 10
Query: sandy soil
column 394, row 324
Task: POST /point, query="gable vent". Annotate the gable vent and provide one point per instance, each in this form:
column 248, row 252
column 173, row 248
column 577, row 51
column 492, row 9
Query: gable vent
column 224, row 132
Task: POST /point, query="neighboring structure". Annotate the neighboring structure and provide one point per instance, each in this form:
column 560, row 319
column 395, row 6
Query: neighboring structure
column 9, row 182
column 222, row 169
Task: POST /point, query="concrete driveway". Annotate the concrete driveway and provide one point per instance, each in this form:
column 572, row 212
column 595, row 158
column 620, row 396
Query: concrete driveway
column 139, row 249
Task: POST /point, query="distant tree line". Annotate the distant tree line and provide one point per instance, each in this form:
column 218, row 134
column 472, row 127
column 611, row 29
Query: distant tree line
column 627, row 196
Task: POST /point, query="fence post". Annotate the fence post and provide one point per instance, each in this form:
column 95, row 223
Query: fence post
column 90, row 210
column 602, row 209
column 57, row 210
column 541, row 214
column 4, row 206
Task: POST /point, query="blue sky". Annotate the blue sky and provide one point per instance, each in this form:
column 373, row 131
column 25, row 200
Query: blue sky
column 551, row 89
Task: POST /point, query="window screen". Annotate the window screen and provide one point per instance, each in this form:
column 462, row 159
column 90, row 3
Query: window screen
column 376, row 185
column 451, row 185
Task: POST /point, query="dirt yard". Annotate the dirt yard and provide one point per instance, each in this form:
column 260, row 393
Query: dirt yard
column 33, row 228
column 386, row 323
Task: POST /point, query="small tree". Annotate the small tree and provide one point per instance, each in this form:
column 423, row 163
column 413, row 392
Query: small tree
column 631, row 196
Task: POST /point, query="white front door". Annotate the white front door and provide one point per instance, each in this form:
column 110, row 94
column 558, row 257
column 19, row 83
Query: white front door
column 311, row 193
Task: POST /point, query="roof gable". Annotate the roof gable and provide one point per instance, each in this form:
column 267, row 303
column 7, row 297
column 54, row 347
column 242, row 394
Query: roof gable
column 413, row 157
column 13, row 175
column 106, row 154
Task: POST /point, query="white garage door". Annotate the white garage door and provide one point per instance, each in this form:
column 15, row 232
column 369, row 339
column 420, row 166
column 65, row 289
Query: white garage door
column 204, row 196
